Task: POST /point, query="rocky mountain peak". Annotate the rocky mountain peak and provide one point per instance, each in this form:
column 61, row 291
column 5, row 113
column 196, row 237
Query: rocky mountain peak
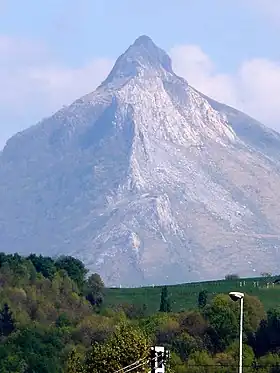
column 146, row 180
column 141, row 57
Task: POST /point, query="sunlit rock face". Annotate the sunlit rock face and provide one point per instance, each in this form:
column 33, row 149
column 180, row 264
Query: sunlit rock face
column 146, row 180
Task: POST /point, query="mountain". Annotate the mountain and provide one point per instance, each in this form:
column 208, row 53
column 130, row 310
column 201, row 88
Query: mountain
column 146, row 180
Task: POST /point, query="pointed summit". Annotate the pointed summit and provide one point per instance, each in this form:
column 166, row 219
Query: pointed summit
column 142, row 56
column 145, row 180
column 145, row 41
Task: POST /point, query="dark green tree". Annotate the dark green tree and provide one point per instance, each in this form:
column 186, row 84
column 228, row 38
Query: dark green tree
column 43, row 265
column 7, row 323
column 40, row 348
column 268, row 333
column 10, row 359
column 75, row 269
column 62, row 321
column 165, row 305
column 202, row 298
column 3, row 258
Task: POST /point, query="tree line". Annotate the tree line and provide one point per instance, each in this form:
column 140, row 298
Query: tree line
column 54, row 319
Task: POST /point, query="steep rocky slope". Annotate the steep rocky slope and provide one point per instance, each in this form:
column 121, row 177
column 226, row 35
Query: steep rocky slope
column 146, row 180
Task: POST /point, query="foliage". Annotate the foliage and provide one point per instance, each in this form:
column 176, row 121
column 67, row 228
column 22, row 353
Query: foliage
column 43, row 265
column 165, row 305
column 185, row 296
column 55, row 320
column 132, row 311
column 7, row 323
column 232, row 276
column 223, row 319
column 202, row 298
column 74, row 268
column 127, row 345
column 74, row 363
column 94, row 289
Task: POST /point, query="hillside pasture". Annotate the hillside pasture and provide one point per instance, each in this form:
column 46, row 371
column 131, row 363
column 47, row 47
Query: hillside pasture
column 184, row 296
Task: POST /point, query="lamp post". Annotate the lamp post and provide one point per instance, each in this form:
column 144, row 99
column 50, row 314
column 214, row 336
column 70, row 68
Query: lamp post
column 236, row 296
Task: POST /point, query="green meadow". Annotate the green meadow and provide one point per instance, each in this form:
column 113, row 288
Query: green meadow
column 184, row 296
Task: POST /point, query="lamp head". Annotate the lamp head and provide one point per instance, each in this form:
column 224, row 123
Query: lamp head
column 236, row 295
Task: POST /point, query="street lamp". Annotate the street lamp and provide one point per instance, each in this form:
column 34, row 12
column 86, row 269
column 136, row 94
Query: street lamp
column 236, row 296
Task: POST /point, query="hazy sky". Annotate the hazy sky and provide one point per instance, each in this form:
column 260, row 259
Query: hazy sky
column 52, row 52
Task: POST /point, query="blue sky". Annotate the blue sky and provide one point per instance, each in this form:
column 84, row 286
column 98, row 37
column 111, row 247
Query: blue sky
column 55, row 51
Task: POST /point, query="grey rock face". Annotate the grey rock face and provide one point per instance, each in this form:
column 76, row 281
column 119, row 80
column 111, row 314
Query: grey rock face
column 146, row 180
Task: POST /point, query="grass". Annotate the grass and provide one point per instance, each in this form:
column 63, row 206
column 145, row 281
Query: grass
column 184, row 296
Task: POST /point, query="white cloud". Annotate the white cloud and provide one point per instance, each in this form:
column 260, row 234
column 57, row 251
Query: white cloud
column 190, row 62
column 34, row 84
column 28, row 70
column 62, row 85
column 253, row 88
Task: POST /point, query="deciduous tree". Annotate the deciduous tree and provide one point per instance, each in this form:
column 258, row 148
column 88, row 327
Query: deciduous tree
column 127, row 346
column 224, row 321
column 74, row 267
column 95, row 289
column 43, row 265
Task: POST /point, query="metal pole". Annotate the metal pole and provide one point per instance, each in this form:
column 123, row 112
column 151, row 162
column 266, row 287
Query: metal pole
column 241, row 335
column 153, row 360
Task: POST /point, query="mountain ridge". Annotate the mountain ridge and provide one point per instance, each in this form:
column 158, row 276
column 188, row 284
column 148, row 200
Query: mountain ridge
column 146, row 180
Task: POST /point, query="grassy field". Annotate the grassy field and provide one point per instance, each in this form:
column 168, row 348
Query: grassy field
column 184, row 296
